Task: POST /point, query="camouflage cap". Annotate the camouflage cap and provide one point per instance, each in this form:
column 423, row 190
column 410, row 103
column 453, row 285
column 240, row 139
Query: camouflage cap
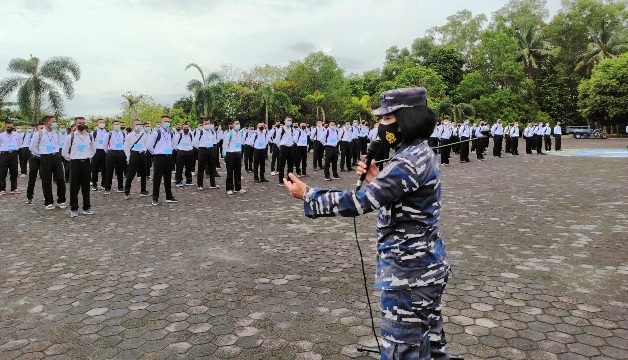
column 392, row 100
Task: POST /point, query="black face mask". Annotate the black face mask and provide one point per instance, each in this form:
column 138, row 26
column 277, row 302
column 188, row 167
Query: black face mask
column 9, row 130
column 261, row 128
column 390, row 134
column 303, row 127
column 185, row 131
column 82, row 127
column 277, row 126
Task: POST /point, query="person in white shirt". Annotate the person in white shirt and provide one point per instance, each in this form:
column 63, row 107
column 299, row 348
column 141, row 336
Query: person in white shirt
column 10, row 142
column 99, row 161
column 528, row 135
column 498, row 137
column 433, row 140
column 63, row 134
column 481, row 133
column 557, row 134
column 363, row 137
column 346, row 137
column 355, row 146
column 24, row 153
column 285, row 141
column 34, row 163
column 514, row 139
column 330, row 142
column 206, row 143
column 116, row 160
column 465, row 134
column 274, row 147
column 45, row 145
column 301, row 138
column 159, row 144
column 538, row 138
column 247, row 148
column 232, row 152
column 78, row 149
column 135, row 151
column 260, row 143
column 444, row 135
column 185, row 155
column 547, row 137
column 319, row 149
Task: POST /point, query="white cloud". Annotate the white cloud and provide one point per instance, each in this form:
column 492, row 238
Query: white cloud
column 144, row 45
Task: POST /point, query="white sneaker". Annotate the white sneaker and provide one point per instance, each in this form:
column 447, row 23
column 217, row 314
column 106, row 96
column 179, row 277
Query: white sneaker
column 88, row 212
column 273, row 173
column 62, row 205
column 50, row 207
column 74, row 213
column 241, row 191
column 229, row 192
column 23, row 175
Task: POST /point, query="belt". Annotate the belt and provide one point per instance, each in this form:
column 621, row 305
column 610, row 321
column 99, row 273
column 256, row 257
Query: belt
column 80, row 160
column 116, row 151
column 138, row 152
column 7, row 152
column 51, row 154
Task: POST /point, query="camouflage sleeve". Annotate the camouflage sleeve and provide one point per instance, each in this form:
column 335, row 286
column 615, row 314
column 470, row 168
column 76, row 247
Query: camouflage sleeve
column 401, row 176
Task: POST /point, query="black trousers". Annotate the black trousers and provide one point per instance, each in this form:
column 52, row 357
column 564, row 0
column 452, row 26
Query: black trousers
column 514, row 146
column 455, row 148
column 497, row 145
column 137, row 165
column 507, row 142
column 548, row 142
column 80, row 174
column 161, row 171
column 528, row 145
column 116, row 159
column 445, row 151
column 33, row 171
column 206, row 159
column 331, row 159
column 464, row 149
column 538, row 142
column 51, row 165
column 382, row 154
column 66, row 170
column 259, row 164
column 473, row 142
column 99, row 165
column 233, row 162
column 355, row 151
column 274, row 152
column 557, row 142
column 24, row 155
column 248, row 157
column 185, row 158
column 345, row 155
column 317, row 158
column 8, row 164
column 300, row 160
column 479, row 148
column 149, row 163
column 433, row 142
column 286, row 157
column 363, row 144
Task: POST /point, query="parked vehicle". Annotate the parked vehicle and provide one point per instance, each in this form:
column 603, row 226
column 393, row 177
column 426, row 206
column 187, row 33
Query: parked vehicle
column 583, row 132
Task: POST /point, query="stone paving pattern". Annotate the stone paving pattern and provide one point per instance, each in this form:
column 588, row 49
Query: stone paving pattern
column 538, row 245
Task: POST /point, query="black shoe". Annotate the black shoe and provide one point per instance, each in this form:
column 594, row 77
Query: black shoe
column 349, row 169
column 264, row 180
column 172, row 200
column 342, row 170
column 216, row 175
column 336, row 177
column 257, row 181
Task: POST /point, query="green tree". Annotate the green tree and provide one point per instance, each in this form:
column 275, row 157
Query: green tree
column 448, row 64
column 422, row 76
column 145, row 109
column 43, row 83
column 461, row 32
column 472, row 86
column 504, row 104
column 532, row 49
column 186, row 104
column 202, row 88
column 604, row 97
column 131, row 102
column 520, row 14
column 607, row 42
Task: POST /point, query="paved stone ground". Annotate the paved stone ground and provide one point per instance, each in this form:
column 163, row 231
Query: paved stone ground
column 538, row 245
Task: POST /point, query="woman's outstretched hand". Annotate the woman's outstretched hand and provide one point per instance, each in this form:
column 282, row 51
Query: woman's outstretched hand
column 371, row 173
column 295, row 186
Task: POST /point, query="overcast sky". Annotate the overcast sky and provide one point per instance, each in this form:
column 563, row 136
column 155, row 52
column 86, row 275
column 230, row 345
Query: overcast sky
column 143, row 46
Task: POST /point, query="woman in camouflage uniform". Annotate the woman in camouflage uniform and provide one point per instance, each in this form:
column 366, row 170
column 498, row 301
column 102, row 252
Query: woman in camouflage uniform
column 412, row 266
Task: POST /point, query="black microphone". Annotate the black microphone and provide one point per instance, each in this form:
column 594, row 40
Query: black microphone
column 371, row 152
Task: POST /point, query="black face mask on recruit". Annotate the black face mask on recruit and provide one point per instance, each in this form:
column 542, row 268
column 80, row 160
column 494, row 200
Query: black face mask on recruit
column 390, row 134
column 81, row 127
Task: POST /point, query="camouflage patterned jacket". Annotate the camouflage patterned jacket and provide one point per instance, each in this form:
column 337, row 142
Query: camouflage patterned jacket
column 410, row 251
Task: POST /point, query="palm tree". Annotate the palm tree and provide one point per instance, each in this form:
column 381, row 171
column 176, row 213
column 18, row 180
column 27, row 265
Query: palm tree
column 41, row 83
column 201, row 88
column 531, row 48
column 131, row 101
column 606, row 44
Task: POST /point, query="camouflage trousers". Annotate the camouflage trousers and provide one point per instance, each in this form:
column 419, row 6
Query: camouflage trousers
column 412, row 325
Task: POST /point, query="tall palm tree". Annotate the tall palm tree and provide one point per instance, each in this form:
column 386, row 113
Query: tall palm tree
column 131, row 101
column 202, row 88
column 531, row 48
column 606, row 43
column 47, row 81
